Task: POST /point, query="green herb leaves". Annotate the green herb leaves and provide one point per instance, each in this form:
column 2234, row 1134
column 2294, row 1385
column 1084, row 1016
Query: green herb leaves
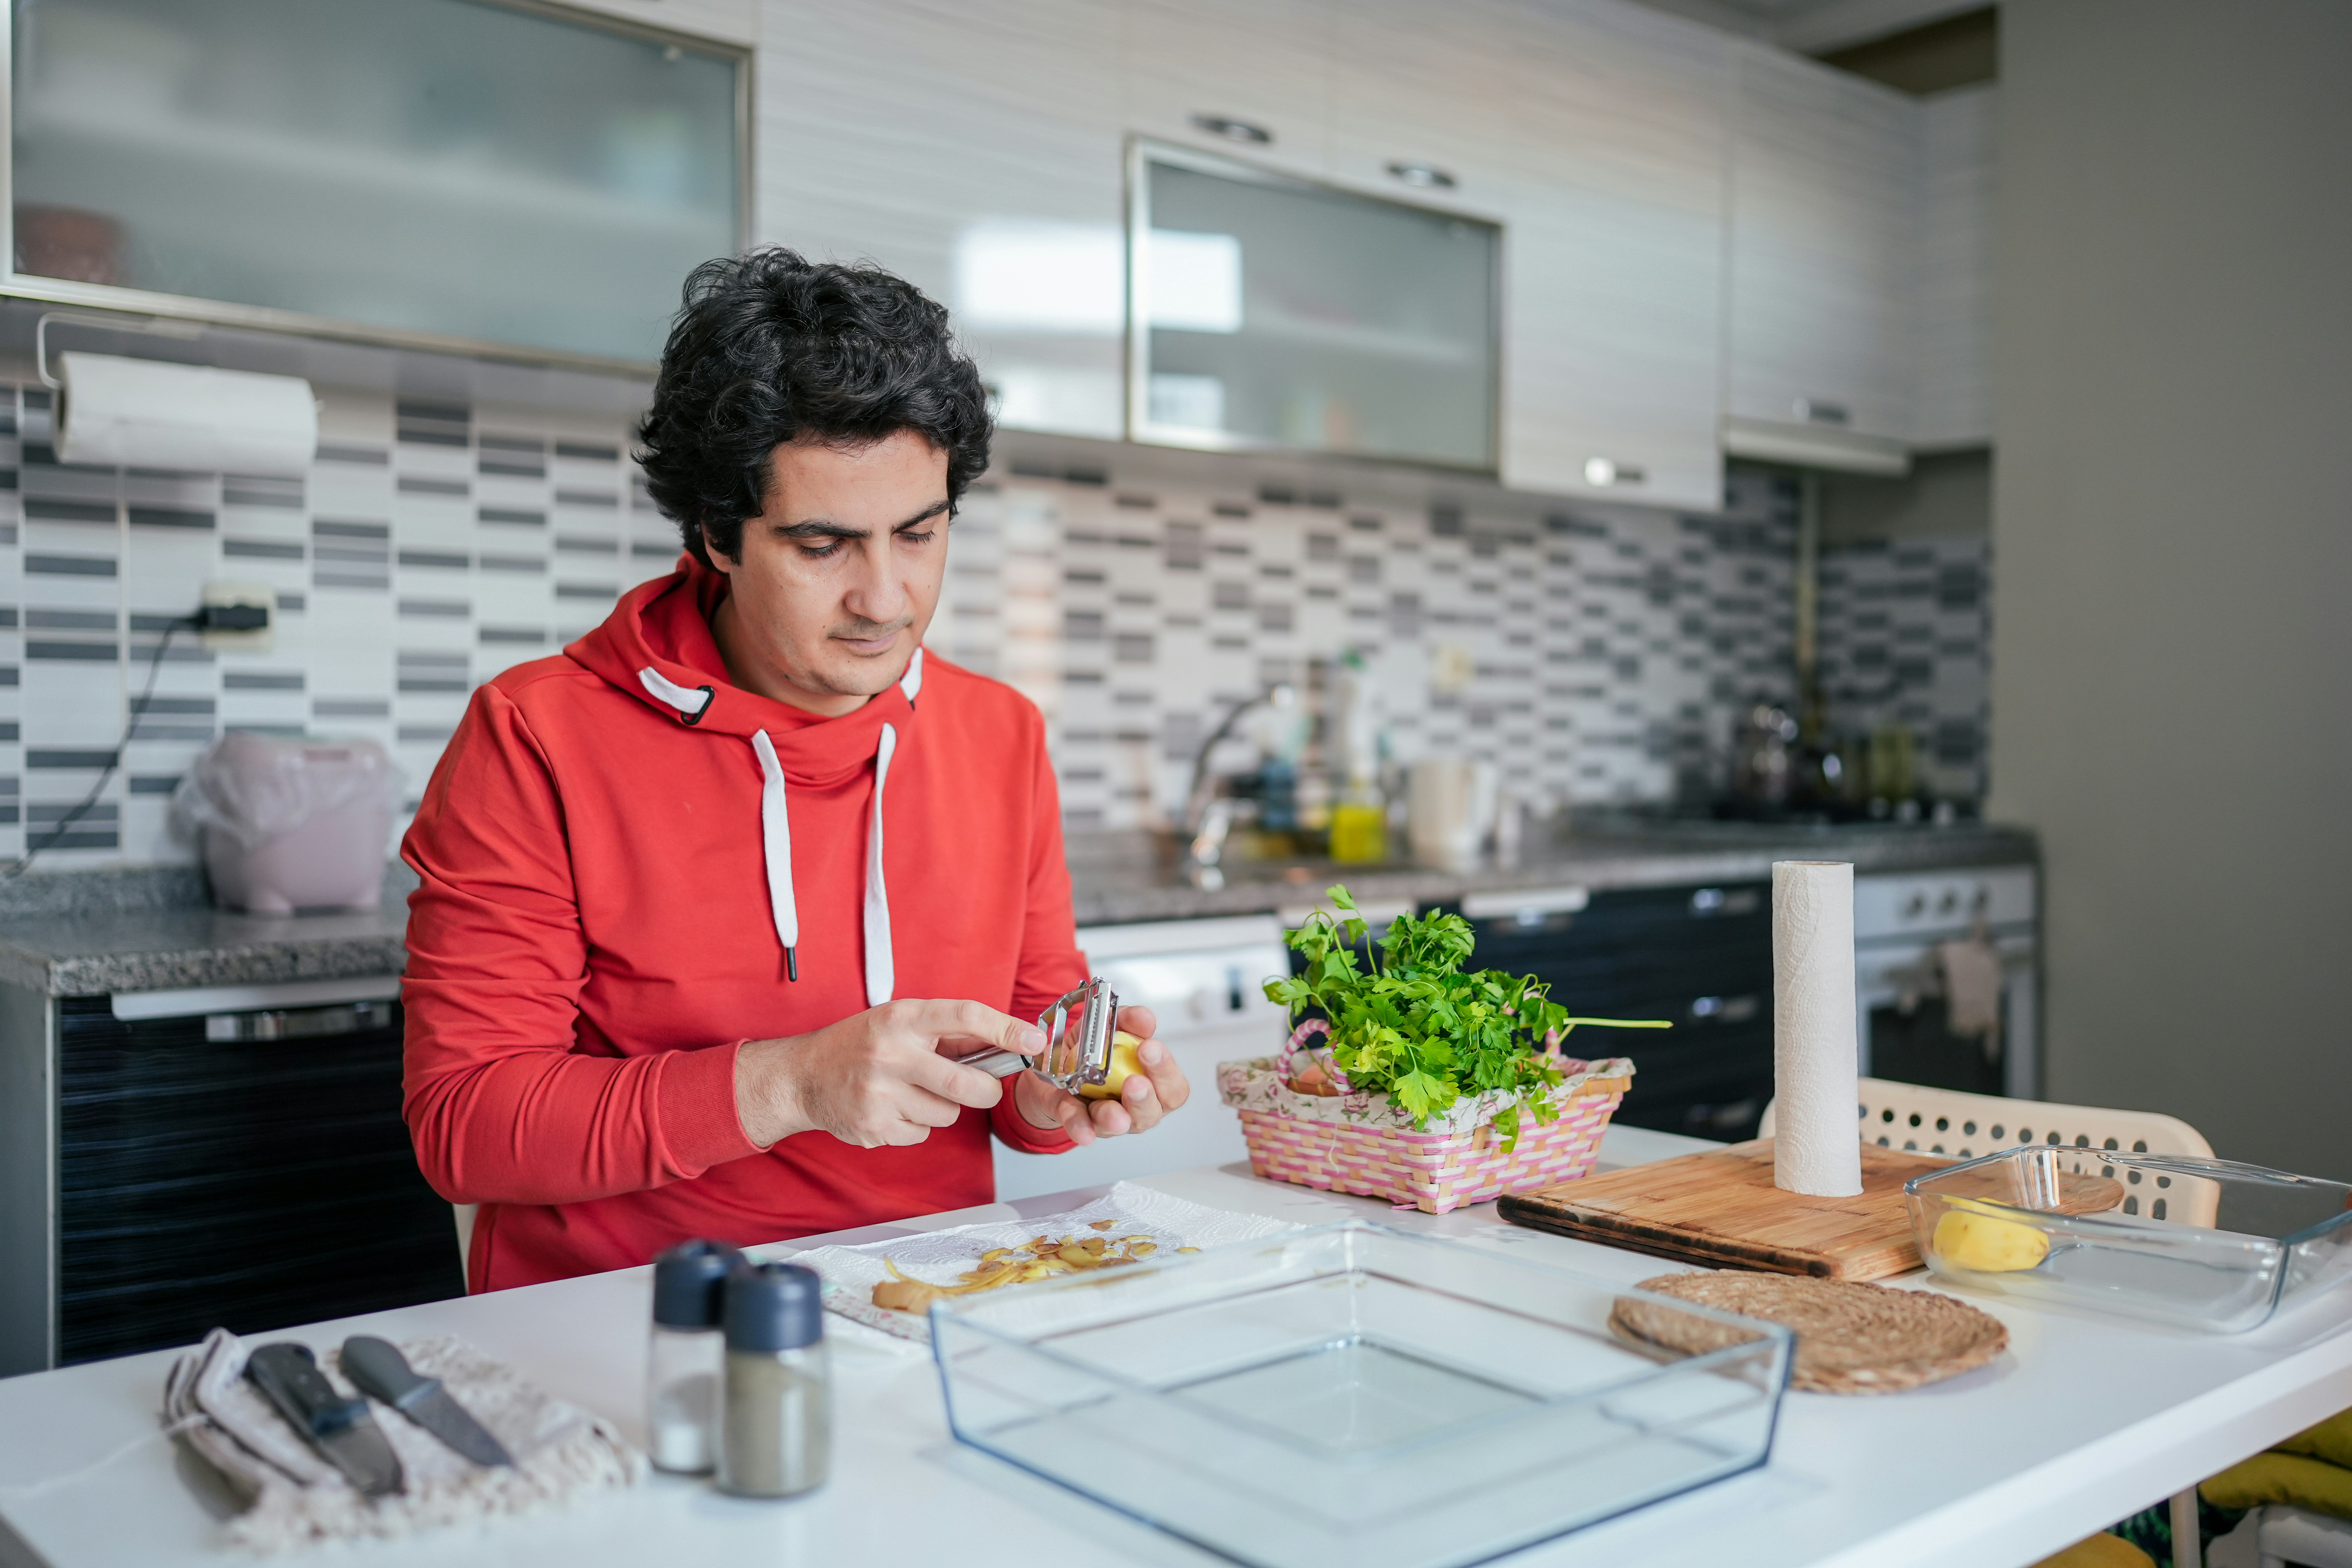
column 1409, row 1022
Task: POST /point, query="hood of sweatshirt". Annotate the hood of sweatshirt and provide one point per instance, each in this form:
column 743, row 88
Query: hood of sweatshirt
column 657, row 645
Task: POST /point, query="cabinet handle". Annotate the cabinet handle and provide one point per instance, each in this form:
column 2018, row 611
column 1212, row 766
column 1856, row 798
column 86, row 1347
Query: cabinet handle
column 298, row 1022
column 1604, row 472
column 1233, row 129
column 1817, row 411
column 1422, row 176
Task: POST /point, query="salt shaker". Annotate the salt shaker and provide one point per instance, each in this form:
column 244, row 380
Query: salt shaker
column 776, row 1431
column 686, row 1357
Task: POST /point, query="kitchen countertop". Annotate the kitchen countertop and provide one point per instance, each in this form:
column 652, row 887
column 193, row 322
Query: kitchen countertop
column 153, row 928
column 148, row 929
column 2084, row 1420
column 1116, row 878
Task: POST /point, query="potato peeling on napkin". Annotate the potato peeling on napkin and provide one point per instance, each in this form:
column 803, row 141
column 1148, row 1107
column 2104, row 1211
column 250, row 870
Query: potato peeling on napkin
column 1041, row 1258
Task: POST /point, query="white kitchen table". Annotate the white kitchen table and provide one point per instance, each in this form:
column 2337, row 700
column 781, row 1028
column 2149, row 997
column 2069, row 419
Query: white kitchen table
column 2083, row 1421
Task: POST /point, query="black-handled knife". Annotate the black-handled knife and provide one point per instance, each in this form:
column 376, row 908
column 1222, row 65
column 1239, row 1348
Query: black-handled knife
column 377, row 1368
column 342, row 1430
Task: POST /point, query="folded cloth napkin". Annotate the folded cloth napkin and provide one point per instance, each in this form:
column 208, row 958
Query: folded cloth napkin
column 294, row 1497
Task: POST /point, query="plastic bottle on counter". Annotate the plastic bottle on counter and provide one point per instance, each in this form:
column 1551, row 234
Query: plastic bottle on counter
column 686, row 1360
column 776, row 1434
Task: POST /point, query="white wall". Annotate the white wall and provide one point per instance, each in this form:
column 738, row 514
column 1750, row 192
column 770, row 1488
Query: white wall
column 2172, row 697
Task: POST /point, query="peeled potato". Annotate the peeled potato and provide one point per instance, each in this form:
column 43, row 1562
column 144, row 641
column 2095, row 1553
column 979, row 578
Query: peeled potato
column 1987, row 1243
column 1123, row 1062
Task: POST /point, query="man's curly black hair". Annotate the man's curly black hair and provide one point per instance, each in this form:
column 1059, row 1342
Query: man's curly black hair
column 770, row 348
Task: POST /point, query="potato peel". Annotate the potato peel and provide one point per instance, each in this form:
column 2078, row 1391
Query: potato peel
column 1041, row 1258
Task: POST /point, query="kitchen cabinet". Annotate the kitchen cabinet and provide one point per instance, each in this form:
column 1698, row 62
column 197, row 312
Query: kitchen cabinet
column 731, row 21
column 440, row 173
column 1413, row 85
column 1952, row 406
column 975, row 149
column 1263, row 63
column 172, row 1174
column 1708, row 245
column 1824, row 206
column 1614, row 291
column 1699, row 957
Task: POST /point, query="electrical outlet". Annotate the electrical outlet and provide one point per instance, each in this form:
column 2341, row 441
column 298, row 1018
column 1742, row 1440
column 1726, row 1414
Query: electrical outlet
column 246, row 597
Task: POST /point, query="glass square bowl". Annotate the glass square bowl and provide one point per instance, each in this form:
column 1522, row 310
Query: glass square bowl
column 2199, row 1244
column 1356, row 1394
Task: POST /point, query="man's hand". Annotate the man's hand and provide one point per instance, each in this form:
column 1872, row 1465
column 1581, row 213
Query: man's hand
column 1142, row 1099
column 880, row 1077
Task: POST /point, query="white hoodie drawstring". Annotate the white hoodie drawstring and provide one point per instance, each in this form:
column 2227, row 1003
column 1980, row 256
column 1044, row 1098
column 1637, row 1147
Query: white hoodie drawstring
column 776, row 850
column 881, row 973
column 776, row 832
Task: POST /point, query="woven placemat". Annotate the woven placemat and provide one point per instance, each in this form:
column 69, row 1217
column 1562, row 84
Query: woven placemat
column 1851, row 1337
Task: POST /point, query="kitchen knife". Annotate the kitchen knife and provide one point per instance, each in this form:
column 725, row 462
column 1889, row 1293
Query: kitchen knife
column 342, row 1430
column 1078, row 1030
column 378, row 1368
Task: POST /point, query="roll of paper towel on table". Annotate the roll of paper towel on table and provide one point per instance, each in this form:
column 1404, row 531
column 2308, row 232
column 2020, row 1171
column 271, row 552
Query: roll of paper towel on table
column 147, row 414
column 1816, row 1148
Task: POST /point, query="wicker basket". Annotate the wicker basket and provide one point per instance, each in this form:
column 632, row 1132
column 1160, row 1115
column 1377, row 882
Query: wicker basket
column 1359, row 1143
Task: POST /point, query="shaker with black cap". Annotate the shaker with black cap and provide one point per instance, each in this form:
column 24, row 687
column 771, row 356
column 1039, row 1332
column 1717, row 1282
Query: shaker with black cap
column 776, row 1433
column 685, row 1363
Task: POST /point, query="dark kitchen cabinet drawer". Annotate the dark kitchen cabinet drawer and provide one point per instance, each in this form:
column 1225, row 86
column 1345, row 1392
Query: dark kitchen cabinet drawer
column 242, row 1184
column 1698, row 956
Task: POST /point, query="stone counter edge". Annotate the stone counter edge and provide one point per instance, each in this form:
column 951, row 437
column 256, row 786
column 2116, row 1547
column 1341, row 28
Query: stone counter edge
column 256, row 964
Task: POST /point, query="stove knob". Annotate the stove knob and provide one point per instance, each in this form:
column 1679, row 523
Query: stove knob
column 1949, row 902
column 1915, row 906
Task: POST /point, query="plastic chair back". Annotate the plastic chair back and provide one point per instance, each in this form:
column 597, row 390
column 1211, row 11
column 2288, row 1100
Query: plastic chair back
column 1947, row 1122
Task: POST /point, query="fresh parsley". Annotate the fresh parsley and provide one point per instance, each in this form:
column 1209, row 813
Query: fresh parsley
column 1409, row 1023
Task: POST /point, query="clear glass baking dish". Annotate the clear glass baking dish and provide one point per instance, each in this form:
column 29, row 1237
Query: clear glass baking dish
column 2200, row 1244
column 1352, row 1395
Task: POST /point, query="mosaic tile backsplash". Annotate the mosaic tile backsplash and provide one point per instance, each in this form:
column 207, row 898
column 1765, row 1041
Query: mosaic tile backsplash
column 1906, row 638
column 1593, row 655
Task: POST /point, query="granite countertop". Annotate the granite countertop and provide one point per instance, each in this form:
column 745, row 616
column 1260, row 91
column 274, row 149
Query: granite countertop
column 92, row 934
column 151, row 928
column 1114, row 886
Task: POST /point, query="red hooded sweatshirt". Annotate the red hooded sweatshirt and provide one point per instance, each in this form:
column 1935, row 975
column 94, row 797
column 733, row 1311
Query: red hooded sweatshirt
column 615, row 854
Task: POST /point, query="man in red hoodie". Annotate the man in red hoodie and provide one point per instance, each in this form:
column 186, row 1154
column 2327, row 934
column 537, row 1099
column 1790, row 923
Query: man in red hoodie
column 709, row 903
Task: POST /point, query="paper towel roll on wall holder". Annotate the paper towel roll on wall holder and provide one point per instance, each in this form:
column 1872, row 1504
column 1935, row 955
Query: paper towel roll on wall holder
column 154, row 326
column 166, row 414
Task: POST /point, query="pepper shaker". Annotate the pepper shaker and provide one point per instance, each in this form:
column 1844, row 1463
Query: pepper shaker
column 776, row 1433
column 686, row 1357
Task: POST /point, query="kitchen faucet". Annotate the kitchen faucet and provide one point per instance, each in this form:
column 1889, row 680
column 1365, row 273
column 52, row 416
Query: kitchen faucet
column 1208, row 818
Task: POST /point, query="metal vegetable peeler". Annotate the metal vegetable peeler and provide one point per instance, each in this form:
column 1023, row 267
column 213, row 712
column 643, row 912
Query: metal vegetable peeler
column 1078, row 1030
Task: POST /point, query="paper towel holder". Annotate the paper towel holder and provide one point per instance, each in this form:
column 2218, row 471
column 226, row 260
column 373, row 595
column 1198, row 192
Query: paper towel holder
column 154, row 326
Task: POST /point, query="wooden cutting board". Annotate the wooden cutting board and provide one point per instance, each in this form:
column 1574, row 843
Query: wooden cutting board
column 1720, row 1208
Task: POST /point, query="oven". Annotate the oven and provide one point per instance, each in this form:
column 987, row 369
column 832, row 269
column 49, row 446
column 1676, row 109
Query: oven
column 1900, row 1014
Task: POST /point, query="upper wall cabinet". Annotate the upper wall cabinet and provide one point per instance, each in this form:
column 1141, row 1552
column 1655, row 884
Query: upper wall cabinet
column 1824, row 256
column 1614, row 323
column 1250, row 77
column 734, row 21
column 442, row 172
column 1953, row 405
column 974, row 147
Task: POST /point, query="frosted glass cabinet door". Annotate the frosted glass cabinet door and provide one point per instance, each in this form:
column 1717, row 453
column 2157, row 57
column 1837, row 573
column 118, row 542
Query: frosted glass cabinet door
column 445, row 167
column 1270, row 313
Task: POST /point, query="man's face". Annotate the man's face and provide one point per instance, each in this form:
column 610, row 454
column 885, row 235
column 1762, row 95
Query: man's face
column 837, row 580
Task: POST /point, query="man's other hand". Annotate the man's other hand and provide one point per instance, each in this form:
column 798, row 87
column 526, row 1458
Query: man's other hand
column 1144, row 1099
column 882, row 1076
